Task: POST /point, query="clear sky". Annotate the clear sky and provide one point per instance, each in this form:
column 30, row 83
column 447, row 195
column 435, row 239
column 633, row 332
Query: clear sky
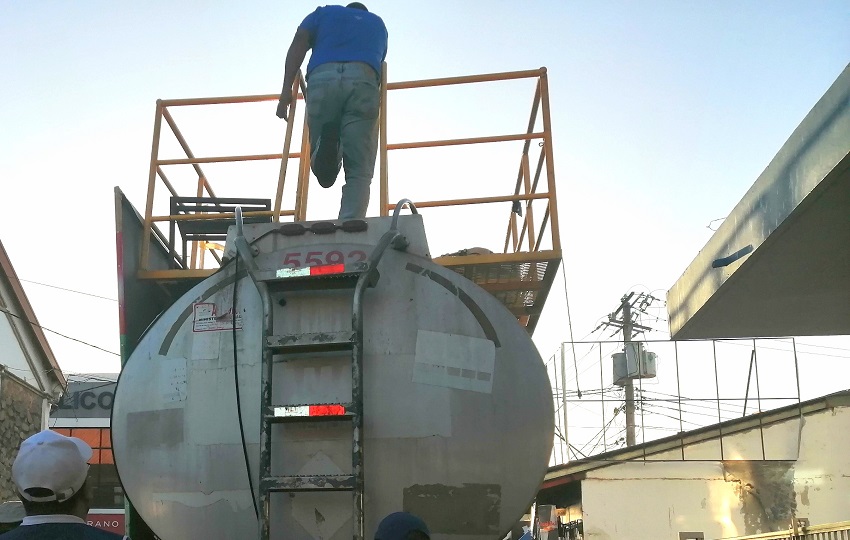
column 664, row 114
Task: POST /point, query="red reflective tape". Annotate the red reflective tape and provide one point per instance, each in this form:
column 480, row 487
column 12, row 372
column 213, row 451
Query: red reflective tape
column 327, row 269
column 327, row 410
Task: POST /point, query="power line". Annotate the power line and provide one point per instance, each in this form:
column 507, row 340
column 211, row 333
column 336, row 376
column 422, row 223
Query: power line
column 570, row 322
column 651, row 404
column 802, row 344
column 4, row 310
column 89, row 377
column 79, row 377
column 68, row 290
column 601, row 432
column 735, row 343
column 697, row 424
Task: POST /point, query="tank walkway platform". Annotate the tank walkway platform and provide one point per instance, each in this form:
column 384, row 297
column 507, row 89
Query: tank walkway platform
column 179, row 238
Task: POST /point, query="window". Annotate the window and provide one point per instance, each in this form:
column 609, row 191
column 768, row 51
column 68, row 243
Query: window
column 103, row 475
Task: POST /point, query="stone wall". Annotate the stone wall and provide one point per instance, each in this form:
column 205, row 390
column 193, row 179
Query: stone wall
column 20, row 417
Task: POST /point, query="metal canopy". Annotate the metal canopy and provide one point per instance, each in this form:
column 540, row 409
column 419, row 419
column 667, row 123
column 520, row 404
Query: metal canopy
column 780, row 263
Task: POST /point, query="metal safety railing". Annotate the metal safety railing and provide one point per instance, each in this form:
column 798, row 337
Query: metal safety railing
column 521, row 275
column 195, row 265
column 522, row 235
column 691, row 392
column 526, row 189
column 531, row 249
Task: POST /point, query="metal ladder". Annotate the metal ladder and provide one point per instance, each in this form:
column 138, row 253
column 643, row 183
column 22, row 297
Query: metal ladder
column 357, row 276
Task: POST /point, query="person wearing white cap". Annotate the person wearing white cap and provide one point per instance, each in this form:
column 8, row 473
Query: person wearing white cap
column 50, row 473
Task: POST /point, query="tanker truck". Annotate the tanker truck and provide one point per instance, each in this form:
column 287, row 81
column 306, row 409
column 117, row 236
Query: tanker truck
column 302, row 379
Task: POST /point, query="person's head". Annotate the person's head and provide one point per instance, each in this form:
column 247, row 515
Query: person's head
column 357, row 5
column 402, row 526
column 11, row 515
column 50, row 474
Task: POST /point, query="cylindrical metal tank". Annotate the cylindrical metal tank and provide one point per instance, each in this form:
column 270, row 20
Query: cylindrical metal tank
column 458, row 418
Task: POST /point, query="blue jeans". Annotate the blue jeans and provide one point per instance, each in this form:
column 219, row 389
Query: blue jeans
column 347, row 93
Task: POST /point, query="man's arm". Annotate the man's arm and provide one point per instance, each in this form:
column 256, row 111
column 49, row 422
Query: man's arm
column 294, row 58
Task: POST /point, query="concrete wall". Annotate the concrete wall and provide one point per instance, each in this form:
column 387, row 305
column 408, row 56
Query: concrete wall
column 21, row 415
column 740, row 495
column 822, row 479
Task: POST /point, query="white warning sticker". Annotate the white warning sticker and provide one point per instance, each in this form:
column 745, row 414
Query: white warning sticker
column 453, row 361
column 297, row 410
column 205, row 319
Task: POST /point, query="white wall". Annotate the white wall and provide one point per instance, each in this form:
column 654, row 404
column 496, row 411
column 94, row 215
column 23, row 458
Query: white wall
column 822, row 480
column 13, row 355
column 741, row 495
column 642, row 501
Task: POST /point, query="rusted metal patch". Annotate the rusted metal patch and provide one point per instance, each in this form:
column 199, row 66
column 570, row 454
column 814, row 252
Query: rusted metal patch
column 766, row 492
column 342, row 338
column 472, row 509
column 341, row 482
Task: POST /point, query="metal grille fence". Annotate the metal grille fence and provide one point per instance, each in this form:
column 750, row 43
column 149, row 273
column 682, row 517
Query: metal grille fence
column 698, row 383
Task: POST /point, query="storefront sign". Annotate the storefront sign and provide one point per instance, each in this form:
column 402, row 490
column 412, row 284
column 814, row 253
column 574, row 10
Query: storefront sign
column 86, row 400
column 107, row 522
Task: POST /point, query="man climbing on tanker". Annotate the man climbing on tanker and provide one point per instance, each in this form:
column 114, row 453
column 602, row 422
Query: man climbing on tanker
column 348, row 44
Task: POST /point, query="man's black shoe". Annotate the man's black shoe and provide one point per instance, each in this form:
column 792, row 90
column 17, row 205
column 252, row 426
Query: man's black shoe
column 326, row 159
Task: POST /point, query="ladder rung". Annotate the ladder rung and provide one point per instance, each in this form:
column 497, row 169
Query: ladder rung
column 319, row 482
column 291, row 414
column 312, row 342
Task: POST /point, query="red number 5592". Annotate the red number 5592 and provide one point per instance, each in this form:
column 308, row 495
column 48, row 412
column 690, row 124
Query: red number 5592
column 298, row 259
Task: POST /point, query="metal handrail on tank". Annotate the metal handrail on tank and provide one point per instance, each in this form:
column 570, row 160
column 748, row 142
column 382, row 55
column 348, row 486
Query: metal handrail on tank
column 520, row 275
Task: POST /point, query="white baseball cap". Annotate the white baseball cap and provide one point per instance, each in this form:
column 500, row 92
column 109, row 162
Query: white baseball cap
column 51, row 461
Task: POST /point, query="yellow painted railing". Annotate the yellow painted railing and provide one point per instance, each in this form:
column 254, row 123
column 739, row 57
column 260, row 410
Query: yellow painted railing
column 523, row 233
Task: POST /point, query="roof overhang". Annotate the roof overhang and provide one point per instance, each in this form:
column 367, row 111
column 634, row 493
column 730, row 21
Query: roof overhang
column 578, row 470
column 779, row 265
column 44, row 366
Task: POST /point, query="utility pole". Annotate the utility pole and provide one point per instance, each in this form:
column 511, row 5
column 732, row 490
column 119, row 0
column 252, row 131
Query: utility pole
column 630, row 385
column 630, row 329
column 564, row 399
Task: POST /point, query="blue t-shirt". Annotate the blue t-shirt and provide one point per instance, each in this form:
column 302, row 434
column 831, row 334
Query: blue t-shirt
column 341, row 34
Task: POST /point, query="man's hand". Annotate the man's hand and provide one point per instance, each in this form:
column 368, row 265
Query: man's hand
column 301, row 43
column 283, row 106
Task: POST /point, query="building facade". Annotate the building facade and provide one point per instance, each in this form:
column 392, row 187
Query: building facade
column 757, row 474
column 30, row 378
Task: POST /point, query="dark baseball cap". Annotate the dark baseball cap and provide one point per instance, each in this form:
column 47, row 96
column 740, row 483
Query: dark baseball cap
column 398, row 525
